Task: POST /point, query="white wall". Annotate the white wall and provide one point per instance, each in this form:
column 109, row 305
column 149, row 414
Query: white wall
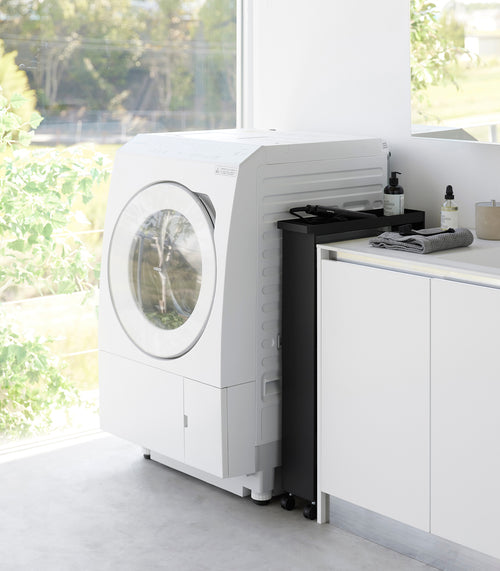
column 343, row 66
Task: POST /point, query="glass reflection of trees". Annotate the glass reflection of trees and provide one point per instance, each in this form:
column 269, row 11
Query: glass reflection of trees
column 165, row 269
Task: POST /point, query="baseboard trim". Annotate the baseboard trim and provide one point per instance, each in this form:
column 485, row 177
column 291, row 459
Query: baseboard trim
column 420, row 545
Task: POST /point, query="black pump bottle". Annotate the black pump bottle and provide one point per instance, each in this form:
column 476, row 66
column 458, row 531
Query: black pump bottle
column 394, row 198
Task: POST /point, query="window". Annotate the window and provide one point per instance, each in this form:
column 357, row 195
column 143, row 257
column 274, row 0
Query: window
column 101, row 73
column 455, row 52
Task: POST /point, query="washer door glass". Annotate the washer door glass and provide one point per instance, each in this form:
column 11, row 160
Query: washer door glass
column 162, row 269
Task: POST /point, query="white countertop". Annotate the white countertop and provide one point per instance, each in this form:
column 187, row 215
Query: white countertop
column 478, row 263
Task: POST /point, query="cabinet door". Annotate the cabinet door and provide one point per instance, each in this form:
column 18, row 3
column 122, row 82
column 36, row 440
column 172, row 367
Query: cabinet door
column 142, row 404
column 205, row 434
column 219, row 432
column 374, row 370
column 465, row 428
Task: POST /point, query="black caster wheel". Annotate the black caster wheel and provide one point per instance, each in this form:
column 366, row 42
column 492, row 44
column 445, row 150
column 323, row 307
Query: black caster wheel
column 310, row 511
column 147, row 456
column 261, row 502
column 288, row 502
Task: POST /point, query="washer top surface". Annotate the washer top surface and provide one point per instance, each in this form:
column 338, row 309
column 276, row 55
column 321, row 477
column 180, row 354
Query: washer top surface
column 234, row 146
column 260, row 137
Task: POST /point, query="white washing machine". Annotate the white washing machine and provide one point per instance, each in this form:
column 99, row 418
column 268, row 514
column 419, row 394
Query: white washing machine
column 189, row 324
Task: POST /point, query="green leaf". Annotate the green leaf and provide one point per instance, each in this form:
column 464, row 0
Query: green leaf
column 47, row 231
column 68, row 187
column 35, row 120
column 9, row 122
column 85, row 185
column 17, row 100
column 31, row 187
column 18, row 245
column 33, row 237
column 17, row 352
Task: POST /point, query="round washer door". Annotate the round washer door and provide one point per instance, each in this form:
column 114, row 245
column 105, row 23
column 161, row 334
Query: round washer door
column 162, row 269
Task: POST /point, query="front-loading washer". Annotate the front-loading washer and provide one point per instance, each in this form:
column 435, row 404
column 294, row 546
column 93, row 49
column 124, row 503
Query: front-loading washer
column 189, row 315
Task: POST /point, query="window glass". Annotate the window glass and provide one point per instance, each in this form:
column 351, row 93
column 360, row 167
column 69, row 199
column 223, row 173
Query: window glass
column 98, row 75
column 455, row 52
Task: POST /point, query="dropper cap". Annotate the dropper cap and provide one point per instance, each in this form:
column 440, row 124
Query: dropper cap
column 449, row 193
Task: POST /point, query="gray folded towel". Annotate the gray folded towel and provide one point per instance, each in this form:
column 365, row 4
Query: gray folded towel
column 423, row 244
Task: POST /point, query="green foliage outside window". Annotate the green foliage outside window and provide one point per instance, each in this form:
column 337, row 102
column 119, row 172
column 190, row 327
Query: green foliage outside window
column 437, row 45
column 32, row 384
column 431, row 52
column 22, row 112
column 125, row 55
column 38, row 253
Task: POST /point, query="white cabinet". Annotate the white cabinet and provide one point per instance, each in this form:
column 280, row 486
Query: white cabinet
column 208, row 428
column 205, row 435
column 375, row 390
column 127, row 409
column 409, row 397
column 465, row 449
column 219, row 433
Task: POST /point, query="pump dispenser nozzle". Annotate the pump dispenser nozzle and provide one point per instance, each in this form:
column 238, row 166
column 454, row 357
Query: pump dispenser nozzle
column 394, row 181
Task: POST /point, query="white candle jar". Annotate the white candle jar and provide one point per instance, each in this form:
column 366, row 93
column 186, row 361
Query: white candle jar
column 488, row 220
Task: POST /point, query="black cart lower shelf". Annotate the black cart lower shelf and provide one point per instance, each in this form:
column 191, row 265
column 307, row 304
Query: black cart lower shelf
column 300, row 236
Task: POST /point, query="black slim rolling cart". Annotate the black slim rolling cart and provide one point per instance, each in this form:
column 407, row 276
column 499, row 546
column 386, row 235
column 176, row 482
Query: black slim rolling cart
column 300, row 236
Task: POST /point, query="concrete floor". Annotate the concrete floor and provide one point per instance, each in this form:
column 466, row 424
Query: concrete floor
column 98, row 505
